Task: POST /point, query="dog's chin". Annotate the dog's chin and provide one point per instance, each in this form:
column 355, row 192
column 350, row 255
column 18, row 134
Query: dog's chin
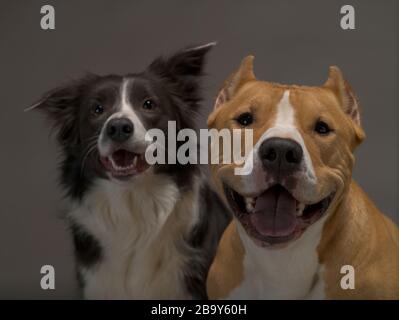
column 274, row 218
column 123, row 164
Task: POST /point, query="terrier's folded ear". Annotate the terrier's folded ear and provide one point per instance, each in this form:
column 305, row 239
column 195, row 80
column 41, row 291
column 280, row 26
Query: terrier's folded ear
column 347, row 99
column 232, row 84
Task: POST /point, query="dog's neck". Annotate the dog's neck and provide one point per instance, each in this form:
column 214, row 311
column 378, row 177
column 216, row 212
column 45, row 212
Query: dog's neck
column 349, row 227
column 291, row 272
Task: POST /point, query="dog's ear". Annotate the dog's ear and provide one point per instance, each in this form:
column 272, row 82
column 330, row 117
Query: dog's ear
column 183, row 69
column 347, row 98
column 60, row 105
column 185, row 63
column 231, row 85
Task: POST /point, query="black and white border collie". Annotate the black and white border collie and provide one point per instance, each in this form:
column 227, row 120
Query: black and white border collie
column 140, row 231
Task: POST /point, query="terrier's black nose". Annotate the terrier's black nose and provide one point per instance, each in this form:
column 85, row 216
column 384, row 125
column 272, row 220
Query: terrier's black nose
column 280, row 156
column 119, row 129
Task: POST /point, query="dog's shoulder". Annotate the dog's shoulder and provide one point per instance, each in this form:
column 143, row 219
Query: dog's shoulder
column 227, row 270
column 361, row 236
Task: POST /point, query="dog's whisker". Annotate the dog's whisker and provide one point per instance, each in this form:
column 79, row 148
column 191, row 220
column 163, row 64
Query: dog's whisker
column 93, row 138
column 89, row 144
column 86, row 155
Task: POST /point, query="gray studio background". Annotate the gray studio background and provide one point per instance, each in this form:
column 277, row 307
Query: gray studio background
column 293, row 41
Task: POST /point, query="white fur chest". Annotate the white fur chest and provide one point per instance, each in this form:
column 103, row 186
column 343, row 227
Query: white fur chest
column 141, row 232
column 289, row 273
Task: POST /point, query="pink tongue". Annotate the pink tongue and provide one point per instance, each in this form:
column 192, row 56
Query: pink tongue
column 123, row 158
column 275, row 213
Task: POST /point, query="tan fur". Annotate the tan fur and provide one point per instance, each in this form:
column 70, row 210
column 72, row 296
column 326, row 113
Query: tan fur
column 230, row 253
column 359, row 235
column 356, row 233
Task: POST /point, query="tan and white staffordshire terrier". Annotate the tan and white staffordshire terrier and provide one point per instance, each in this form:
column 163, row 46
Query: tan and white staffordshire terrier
column 299, row 216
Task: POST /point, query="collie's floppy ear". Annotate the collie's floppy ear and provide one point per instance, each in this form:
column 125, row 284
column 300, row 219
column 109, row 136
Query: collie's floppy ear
column 347, row 98
column 231, row 85
column 60, row 105
column 182, row 69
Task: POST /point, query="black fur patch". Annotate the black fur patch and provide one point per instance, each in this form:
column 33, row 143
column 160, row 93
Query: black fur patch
column 214, row 218
column 87, row 249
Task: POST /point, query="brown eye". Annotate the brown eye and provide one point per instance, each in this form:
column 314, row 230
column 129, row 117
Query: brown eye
column 322, row 128
column 149, row 104
column 245, row 119
column 97, row 109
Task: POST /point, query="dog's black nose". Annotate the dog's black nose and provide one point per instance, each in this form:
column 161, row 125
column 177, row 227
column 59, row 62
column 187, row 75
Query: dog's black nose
column 280, row 156
column 119, row 129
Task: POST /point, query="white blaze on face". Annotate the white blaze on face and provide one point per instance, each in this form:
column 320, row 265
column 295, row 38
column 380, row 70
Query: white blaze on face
column 284, row 127
column 128, row 112
column 285, row 112
column 125, row 110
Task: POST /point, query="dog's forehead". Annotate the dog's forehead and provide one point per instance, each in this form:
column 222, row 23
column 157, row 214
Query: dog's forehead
column 268, row 100
column 262, row 94
column 316, row 99
column 271, row 95
column 114, row 83
column 105, row 84
column 139, row 86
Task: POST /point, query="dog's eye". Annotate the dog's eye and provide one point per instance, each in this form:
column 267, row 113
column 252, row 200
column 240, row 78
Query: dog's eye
column 322, row 128
column 98, row 109
column 245, row 119
column 149, row 104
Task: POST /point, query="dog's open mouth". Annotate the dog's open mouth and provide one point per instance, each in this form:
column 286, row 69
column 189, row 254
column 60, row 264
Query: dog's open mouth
column 123, row 163
column 275, row 216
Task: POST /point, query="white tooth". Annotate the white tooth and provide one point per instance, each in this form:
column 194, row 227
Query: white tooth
column 113, row 163
column 135, row 161
column 300, row 208
column 249, row 204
